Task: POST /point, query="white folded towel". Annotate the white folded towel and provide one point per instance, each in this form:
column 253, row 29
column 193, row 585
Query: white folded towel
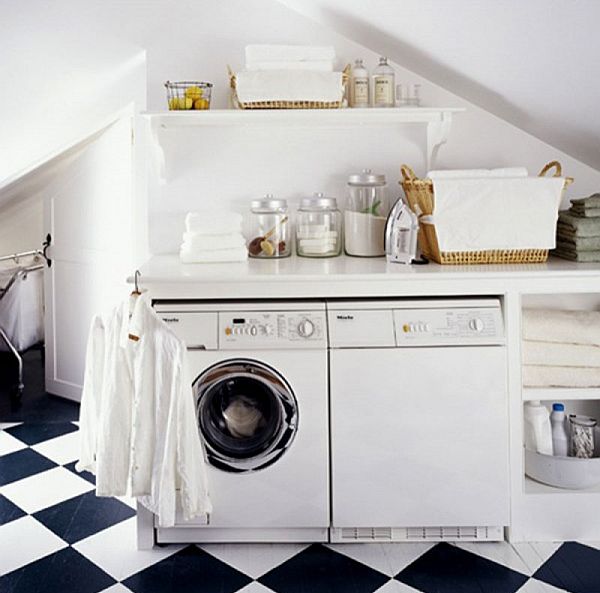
column 544, row 376
column 570, row 327
column 287, row 53
column 282, row 85
column 477, row 173
column 496, row 213
column 316, row 65
column 204, row 242
column 236, row 254
column 213, row 222
column 555, row 354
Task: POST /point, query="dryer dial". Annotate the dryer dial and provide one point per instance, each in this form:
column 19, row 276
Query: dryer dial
column 306, row 328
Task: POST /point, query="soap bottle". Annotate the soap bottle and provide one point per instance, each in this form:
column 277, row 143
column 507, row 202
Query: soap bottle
column 538, row 432
column 359, row 85
column 560, row 439
column 384, row 86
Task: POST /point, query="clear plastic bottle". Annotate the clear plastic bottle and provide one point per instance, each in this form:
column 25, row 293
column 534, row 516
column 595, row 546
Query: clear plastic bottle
column 359, row 85
column 560, row 439
column 384, row 85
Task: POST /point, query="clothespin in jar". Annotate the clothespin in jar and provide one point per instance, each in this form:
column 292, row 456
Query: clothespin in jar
column 135, row 294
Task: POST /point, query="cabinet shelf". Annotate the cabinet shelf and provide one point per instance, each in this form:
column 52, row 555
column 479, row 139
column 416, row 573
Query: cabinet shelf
column 560, row 393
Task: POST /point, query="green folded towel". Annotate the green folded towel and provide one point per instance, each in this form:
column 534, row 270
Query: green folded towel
column 579, row 256
column 582, row 227
column 573, row 243
column 592, row 201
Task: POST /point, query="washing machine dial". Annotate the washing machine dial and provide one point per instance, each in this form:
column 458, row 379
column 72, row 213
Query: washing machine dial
column 476, row 324
column 306, row 328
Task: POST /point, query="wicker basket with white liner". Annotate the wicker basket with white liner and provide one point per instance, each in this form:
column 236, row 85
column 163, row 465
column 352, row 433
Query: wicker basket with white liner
column 518, row 228
column 289, row 94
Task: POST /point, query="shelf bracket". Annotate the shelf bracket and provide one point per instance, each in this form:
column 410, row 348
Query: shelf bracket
column 437, row 134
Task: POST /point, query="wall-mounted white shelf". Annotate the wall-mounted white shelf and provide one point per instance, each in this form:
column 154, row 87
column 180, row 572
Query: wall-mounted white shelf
column 560, row 393
column 437, row 119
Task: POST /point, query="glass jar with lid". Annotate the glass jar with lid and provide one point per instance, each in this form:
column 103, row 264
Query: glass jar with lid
column 365, row 214
column 270, row 228
column 318, row 227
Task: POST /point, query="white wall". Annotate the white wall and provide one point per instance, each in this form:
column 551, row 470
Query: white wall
column 197, row 39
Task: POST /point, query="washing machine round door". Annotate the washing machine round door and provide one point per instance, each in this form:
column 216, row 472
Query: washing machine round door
column 247, row 414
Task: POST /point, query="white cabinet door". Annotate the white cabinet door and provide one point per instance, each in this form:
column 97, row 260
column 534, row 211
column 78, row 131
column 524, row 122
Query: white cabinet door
column 419, row 437
column 88, row 213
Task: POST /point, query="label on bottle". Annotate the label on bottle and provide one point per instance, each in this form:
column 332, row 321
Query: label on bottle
column 361, row 92
column 384, row 90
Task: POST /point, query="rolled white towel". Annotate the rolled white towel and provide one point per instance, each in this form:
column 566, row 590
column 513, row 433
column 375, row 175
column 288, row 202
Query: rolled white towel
column 204, row 242
column 558, row 354
column 477, row 173
column 235, row 254
column 569, row 327
column 282, row 85
column 315, row 65
column 558, row 376
column 213, row 222
column 287, row 53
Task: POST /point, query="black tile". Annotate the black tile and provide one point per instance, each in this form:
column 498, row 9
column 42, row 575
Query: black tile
column 66, row 571
column 85, row 475
column 82, row 516
column 34, row 433
column 318, row 569
column 190, row 570
column 9, row 511
column 448, row 569
column 573, row 567
column 22, row 464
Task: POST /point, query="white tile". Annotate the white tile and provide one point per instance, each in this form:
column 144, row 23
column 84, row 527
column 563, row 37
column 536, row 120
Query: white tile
column 46, row 489
column 534, row 554
column 61, row 450
column 396, row 587
column 389, row 559
column 118, row 588
column 535, row 586
column 10, row 444
column 500, row 552
column 5, row 425
column 255, row 587
column 37, row 542
column 253, row 559
column 115, row 551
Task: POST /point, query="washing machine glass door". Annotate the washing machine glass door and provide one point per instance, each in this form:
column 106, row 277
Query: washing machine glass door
column 247, row 414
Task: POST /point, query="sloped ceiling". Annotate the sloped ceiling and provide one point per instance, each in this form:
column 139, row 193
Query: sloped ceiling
column 534, row 63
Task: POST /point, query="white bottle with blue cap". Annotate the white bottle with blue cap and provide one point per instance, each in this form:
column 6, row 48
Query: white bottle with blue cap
column 560, row 438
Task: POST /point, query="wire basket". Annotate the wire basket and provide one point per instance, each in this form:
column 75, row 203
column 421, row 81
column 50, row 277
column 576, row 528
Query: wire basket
column 188, row 95
column 420, row 196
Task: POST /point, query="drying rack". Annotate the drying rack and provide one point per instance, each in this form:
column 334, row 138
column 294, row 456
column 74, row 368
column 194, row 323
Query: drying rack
column 38, row 260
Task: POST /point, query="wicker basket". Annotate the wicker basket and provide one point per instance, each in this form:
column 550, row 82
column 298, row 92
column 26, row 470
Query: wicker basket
column 288, row 104
column 419, row 193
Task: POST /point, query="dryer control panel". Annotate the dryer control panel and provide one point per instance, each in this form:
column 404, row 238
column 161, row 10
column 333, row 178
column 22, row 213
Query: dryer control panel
column 272, row 329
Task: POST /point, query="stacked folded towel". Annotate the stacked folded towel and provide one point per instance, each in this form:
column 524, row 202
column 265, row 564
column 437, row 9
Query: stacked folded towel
column 289, row 73
column 213, row 236
column 578, row 230
column 561, row 348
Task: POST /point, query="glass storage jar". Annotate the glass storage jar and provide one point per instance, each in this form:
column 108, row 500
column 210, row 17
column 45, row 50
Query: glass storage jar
column 365, row 215
column 270, row 228
column 318, row 227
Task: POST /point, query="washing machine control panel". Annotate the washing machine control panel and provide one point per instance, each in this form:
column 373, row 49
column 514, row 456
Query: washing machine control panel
column 272, row 329
column 449, row 326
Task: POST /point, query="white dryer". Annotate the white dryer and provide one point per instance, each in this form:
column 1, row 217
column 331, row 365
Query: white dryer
column 260, row 379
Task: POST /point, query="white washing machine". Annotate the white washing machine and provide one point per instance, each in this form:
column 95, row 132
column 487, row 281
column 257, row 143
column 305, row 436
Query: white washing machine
column 419, row 420
column 260, row 379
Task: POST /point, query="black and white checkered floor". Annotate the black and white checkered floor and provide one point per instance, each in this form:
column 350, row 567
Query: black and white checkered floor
column 57, row 537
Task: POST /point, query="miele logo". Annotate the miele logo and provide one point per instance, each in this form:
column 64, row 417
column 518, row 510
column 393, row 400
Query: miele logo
column 344, row 317
column 170, row 319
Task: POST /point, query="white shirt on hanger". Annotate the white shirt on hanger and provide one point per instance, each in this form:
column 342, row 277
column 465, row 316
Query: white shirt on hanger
column 138, row 426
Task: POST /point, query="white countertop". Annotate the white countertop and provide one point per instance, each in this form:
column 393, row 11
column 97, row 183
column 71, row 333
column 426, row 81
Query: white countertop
column 296, row 277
